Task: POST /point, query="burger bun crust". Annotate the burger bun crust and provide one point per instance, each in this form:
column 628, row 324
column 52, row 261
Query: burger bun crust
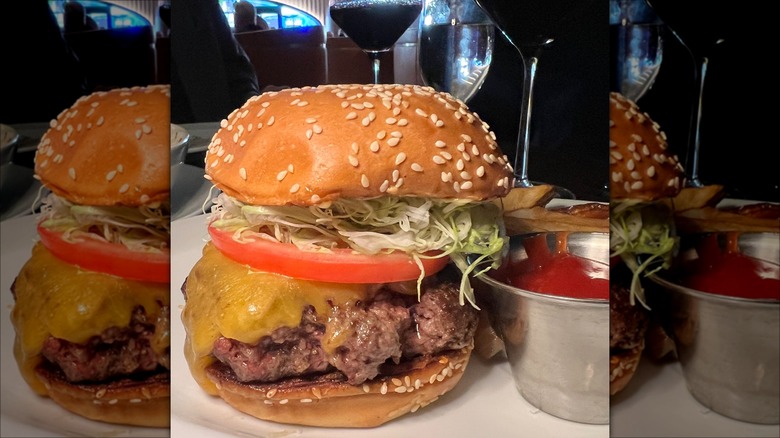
column 339, row 404
column 129, row 402
column 305, row 146
column 640, row 164
column 109, row 148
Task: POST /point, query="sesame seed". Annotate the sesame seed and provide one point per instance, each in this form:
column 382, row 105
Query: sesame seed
column 124, row 188
column 439, row 123
column 403, row 122
column 242, row 173
column 306, row 400
column 481, row 171
column 466, row 185
column 147, row 129
column 374, row 146
column 295, row 187
column 309, row 134
column 355, row 148
column 456, row 186
column 421, row 113
column 393, row 141
column 650, row 171
column 303, row 103
column 612, row 144
column 630, row 165
column 366, row 388
column 290, row 168
column 465, row 175
column 120, row 168
column 271, row 393
column 344, row 104
column 438, row 160
column 353, row 160
column 460, row 165
column 461, row 147
column 636, row 175
column 440, row 144
column 447, row 156
column 109, row 176
column 364, row 181
column 475, row 150
column 72, row 173
column 416, row 167
column 352, row 115
column 396, row 381
column 400, row 389
column 616, row 155
column 384, row 186
column 280, row 176
column 366, row 121
column 283, row 401
column 357, row 106
column 396, row 174
column 391, row 120
column 446, row 176
column 383, row 389
column 434, row 118
column 381, row 134
column 637, row 185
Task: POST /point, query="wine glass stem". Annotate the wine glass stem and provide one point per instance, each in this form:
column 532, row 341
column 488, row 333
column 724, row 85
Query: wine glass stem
column 524, row 136
column 694, row 142
column 375, row 66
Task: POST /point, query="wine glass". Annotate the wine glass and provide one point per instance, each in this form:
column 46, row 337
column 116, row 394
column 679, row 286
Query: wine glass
column 455, row 46
column 374, row 25
column 700, row 26
column 636, row 44
column 531, row 27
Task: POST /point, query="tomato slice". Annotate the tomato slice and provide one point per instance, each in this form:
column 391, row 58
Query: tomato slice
column 109, row 258
column 340, row 266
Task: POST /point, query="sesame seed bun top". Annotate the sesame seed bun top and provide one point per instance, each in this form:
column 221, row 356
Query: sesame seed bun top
column 109, row 148
column 640, row 165
column 304, row 146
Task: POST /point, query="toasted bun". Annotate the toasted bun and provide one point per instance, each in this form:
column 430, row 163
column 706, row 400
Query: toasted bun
column 110, row 148
column 622, row 367
column 337, row 404
column 135, row 403
column 305, row 146
column 640, row 166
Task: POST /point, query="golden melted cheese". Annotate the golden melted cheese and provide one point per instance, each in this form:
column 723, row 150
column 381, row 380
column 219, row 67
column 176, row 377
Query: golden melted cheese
column 228, row 299
column 59, row 299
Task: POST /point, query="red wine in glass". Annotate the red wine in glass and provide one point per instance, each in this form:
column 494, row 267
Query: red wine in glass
column 699, row 25
column 375, row 25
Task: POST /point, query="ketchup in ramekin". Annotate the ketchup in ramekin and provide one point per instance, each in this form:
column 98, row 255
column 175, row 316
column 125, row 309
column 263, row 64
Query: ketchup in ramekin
column 726, row 271
column 557, row 272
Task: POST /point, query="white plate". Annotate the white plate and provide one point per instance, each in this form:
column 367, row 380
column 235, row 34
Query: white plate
column 189, row 191
column 656, row 403
column 22, row 412
column 485, row 403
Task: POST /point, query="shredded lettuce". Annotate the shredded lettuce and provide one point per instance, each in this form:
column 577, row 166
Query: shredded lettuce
column 143, row 229
column 416, row 226
column 643, row 235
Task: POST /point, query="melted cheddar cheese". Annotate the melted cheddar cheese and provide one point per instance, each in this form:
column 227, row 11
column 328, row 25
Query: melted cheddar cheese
column 54, row 298
column 228, row 299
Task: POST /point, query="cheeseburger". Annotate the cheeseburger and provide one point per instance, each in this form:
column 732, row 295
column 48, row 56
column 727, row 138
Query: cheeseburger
column 644, row 177
column 334, row 290
column 92, row 304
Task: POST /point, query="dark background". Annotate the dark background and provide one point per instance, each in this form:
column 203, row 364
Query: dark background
column 569, row 130
column 738, row 145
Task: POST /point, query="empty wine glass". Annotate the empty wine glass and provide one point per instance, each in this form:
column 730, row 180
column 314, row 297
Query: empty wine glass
column 636, row 44
column 374, row 25
column 530, row 26
column 700, row 25
column 455, row 46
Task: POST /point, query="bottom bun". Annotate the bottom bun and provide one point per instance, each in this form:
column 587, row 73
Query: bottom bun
column 622, row 367
column 127, row 401
column 329, row 401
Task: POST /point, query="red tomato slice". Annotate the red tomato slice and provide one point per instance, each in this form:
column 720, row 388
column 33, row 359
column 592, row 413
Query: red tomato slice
column 340, row 266
column 109, row 258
